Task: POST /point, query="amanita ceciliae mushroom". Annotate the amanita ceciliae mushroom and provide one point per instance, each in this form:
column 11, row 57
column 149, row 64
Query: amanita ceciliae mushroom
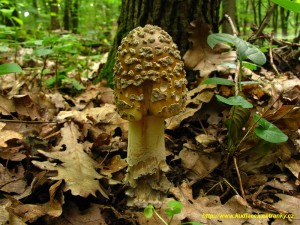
column 150, row 86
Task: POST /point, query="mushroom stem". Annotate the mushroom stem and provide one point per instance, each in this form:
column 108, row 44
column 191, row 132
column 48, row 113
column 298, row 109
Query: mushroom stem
column 145, row 142
column 146, row 160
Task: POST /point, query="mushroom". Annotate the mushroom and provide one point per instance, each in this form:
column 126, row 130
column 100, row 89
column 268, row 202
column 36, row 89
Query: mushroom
column 150, row 85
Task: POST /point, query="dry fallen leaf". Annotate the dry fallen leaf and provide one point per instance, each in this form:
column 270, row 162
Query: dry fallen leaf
column 102, row 114
column 31, row 212
column 6, row 135
column 202, row 57
column 72, row 215
column 199, row 164
column 290, row 204
column 209, row 209
column 205, row 139
column 12, row 181
column 6, row 216
column 6, row 106
column 195, row 98
column 294, row 166
column 78, row 169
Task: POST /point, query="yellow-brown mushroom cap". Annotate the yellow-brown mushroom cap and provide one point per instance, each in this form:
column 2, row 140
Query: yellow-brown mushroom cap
column 148, row 75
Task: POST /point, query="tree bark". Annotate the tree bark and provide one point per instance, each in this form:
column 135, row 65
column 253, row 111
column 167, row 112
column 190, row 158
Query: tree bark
column 173, row 16
column 275, row 21
column 74, row 15
column 54, row 15
column 284, row 15
column 229, row 9
column 67, row 14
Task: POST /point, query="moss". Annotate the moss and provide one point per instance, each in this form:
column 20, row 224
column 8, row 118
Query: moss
column 107, row 71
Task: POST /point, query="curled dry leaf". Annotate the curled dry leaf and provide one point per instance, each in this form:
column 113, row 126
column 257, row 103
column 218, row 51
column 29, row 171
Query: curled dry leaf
column 6, row 135
column 6, row 216
column 31, row 212
column 6, row 106
column 202, row 57
column 105, row 115
column 195, row 98
column 12, row 181
column 294, row 166
column 205, row 139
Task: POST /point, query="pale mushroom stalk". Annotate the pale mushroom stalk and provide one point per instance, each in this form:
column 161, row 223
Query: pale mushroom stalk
column 146, row 140
column 150, row 86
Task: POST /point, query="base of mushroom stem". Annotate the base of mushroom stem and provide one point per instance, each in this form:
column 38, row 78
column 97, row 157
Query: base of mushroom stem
column 148, row 190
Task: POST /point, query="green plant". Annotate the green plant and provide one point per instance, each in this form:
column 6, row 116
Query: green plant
column 7, row 68
column 174, row 208
column 64, row 51
column 240, row 113
column 8, row 13
column 289, row 5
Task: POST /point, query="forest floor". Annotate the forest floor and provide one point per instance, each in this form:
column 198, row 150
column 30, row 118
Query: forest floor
column 63, row 153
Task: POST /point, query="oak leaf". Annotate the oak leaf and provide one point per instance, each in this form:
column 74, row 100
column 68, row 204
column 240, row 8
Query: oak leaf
column 77, row 169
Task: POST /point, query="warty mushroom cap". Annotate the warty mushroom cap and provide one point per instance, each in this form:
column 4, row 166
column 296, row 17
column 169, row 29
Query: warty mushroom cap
column 148, row 75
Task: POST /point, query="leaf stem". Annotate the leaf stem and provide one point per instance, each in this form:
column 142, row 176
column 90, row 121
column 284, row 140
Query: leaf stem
column 156, row 213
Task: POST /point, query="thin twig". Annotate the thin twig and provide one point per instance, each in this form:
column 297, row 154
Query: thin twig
column 227, row 182
column 237, row 77
column 271, row 58
column 25, row 121
column 216, row 184
column 51, row 135
column 239, row 177
column 234, row 30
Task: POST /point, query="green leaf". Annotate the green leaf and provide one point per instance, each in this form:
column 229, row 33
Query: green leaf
column 289, row 5
column 244, row 49
column 237, row 120
column 4, row 49
column 255, row 55
column 10, row 68
column 148, row 211
column 235, row 100
column 214, row 39
column 78, row 86
column 268, row 131
column 19, row 21
column 218, row 80
column 250, row 66
column 174, row 208
column 43, row 52
column 52, row 81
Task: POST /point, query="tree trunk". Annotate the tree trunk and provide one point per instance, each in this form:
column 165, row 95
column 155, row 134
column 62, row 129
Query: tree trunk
column 284, row 15
column 54, row 15
column 254, row 12
column 229, row 9
column 173, row 16
column 67, row 14
column 275, row 21
column 245, row 22
column 74, row 16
